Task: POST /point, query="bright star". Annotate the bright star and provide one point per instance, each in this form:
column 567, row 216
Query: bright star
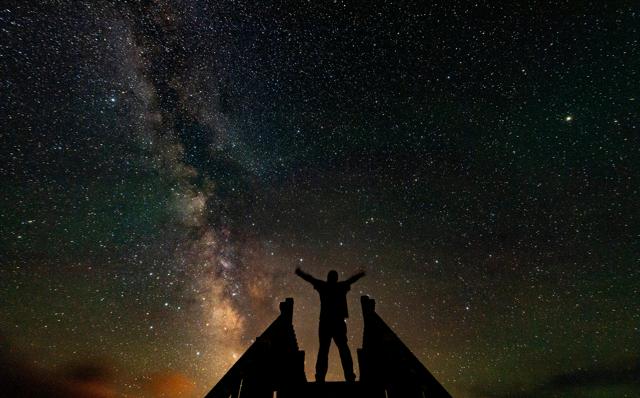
column 568, row 118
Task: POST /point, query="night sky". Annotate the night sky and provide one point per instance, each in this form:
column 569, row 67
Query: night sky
column 167, row 164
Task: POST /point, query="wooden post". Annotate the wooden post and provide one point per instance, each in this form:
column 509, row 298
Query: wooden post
column 368, row 305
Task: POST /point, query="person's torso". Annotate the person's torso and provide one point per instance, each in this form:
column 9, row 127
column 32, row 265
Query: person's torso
column 333, row 300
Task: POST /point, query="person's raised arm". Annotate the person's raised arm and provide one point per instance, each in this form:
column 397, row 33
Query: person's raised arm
column 355, row 277
column 306, row 276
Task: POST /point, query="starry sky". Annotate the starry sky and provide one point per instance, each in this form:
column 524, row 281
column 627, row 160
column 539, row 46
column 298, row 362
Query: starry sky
column 167, row 164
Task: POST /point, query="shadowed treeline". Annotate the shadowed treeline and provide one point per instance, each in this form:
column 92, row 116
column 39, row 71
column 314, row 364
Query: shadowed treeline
column 621, row 379
column 88, row 379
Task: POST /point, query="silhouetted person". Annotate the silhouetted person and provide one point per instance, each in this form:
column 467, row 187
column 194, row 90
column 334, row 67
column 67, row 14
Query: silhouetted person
column 333, row 311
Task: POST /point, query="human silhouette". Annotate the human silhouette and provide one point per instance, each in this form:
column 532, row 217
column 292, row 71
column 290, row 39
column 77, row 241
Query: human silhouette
column 333, row 311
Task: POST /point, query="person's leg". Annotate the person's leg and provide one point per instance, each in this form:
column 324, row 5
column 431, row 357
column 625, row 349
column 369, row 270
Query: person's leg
column 340, row 337
column 323, row 352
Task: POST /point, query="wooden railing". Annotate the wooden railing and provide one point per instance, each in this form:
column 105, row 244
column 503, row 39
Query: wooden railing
column 271, row 362
column 386, row 362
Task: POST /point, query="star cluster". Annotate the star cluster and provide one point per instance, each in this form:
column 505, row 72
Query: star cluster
column 167, row 164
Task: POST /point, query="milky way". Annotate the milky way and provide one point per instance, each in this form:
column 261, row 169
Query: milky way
column 167, row 165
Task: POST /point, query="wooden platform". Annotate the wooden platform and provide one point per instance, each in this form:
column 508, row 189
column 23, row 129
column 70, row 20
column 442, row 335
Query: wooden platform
column 273, row 366
column 332, row 389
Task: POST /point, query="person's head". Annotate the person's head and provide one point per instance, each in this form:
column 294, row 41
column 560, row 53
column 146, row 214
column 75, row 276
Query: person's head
column 332, row 276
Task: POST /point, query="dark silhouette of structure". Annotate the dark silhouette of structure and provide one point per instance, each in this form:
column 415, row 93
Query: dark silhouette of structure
column 386, row 362
column 272, row 363
column 333, row 311
column 274, row 366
